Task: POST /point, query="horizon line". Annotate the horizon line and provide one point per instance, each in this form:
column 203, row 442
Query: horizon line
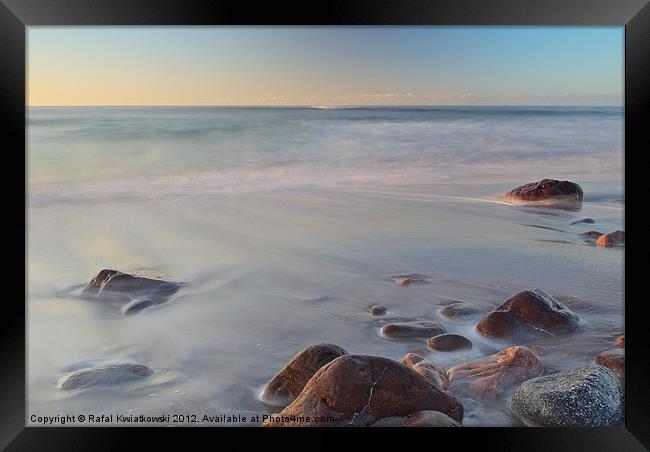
column 324, row 107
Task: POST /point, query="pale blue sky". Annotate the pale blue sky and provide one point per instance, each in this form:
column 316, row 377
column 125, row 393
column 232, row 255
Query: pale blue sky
column 325, row 65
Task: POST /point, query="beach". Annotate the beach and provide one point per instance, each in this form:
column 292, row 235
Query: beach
column 288, row 224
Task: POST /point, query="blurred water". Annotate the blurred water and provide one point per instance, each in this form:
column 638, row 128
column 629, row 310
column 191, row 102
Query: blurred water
column 289, row 223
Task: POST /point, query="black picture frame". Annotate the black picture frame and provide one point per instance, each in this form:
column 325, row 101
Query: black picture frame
column 16, row 15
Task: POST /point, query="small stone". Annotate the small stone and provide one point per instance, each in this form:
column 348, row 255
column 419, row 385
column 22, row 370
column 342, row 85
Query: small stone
column 448, row 342
column 457, row 310
column 620, row 341
column 415, row 329
column 584, row 220
column 378, row 310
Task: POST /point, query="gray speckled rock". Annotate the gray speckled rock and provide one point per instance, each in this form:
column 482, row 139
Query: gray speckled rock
column 589, row 396
column 103, row 375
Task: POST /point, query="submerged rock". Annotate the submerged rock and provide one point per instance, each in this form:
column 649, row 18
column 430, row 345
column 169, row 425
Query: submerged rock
column 526, row 311
column 415, row 329
column 614, row 360
column 103, row 375
column 418, row 419
column 584, row 220
column 410, row 359
column 378, row 310
column 585, row 397
column 360, row 390
column 616, row 238
column 287, row 384
column 547, row 190
column 131, row 291
column 457, row 310
column 591, row 236
column 448, row 342
column 433, row 373
column 489, row 377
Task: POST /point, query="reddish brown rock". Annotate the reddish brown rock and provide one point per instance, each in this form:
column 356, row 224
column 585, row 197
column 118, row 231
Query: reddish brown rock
column 288, row 383
column 416, row 329
column 403, row 281
column 526, row 312
column 547, row 190
column 616, row 238
column 378, row 310
column 613, row 359
column 448, row 342
column 419, row 419
column 506, row 325
column 620, row 341
column 458, row 310
column 360, row 390
column 489, row 377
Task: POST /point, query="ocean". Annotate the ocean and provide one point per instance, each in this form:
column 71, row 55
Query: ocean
column 288, row 223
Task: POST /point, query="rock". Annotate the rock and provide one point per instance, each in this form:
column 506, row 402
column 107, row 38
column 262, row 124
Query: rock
column 620, row 341
column 378, row 310
column 418, row 419
column 584, row 220
column 287, row 384
column 433, row 373
column 410, row 359
column 403, row 281
column 103, row 375
column 448, row 342
column 416, row 329
column 131, row 291
column 614, row 360
column 360, row 390
column 591, row 236
column 489, row 377
column 616, row 238
column 529, row 308
column 585, row 397
column 456, row 310
column 547, row 190
column 506, row 325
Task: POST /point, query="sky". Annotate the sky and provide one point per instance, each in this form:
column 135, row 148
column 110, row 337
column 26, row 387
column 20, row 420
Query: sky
column 325, row 66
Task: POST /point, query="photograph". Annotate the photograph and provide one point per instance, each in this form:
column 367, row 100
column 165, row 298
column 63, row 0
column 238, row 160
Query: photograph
column 325, row 226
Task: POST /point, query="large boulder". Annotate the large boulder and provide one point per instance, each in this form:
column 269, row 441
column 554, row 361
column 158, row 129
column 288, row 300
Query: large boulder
column 359, row 390
column 130, row 292
column 490, row 377
column 547, row 190
column 419, row 419
column 614, row 360
column 585, row 397
column 287, row 384
column 103, row 375
column 529, row 308
column 415, row 329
